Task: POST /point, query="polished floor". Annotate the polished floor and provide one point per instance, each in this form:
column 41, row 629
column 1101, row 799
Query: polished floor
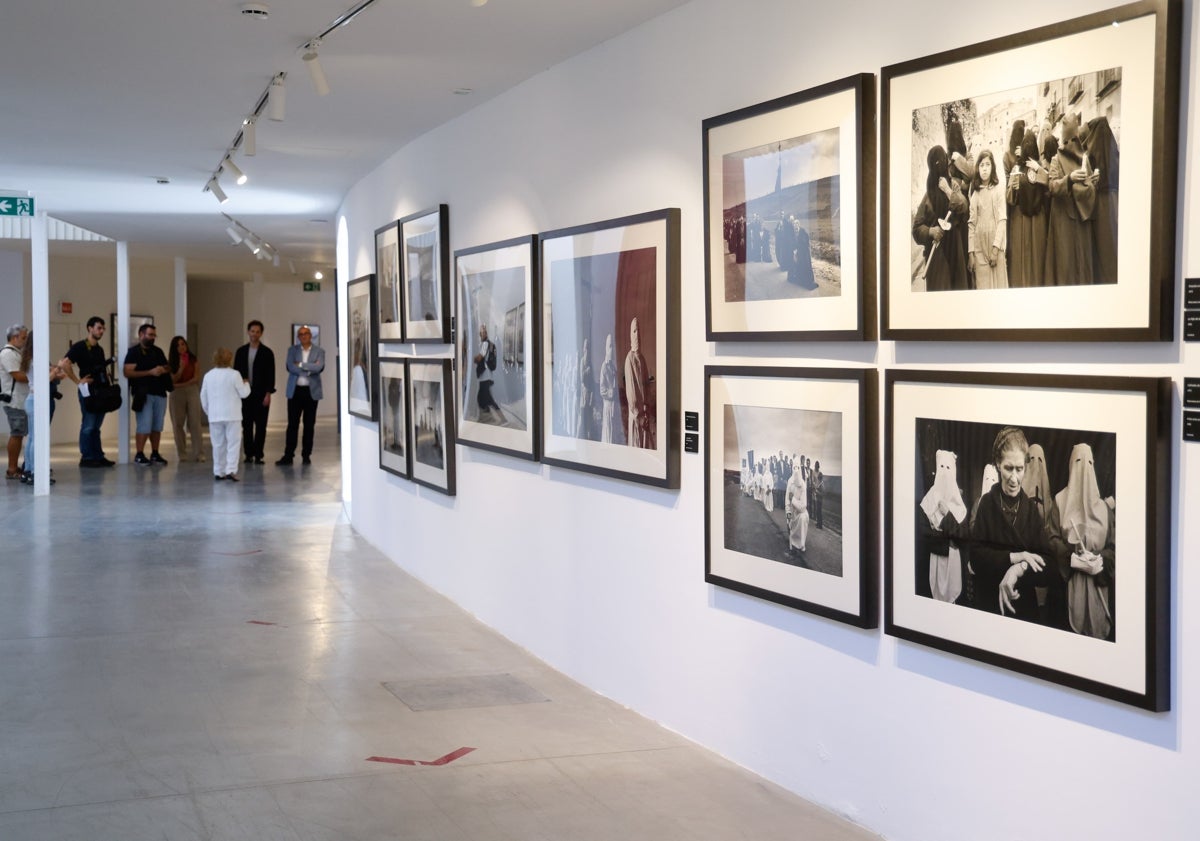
column 185, row 659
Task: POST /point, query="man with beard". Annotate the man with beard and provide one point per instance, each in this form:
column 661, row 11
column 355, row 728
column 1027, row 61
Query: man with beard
column 149, row 378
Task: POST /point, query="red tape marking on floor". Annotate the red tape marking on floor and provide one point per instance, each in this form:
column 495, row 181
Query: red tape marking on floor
column 441, row 760
column 239, row 554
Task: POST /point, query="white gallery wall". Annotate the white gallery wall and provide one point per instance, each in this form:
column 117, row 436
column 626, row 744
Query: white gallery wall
column 604, row 579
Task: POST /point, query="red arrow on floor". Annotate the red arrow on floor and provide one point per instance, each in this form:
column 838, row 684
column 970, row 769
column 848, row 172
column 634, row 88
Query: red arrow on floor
column 443, row 760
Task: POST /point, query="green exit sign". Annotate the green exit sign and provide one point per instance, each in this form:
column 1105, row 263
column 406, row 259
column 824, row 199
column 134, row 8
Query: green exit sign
column 312, row 286
column 16, row 206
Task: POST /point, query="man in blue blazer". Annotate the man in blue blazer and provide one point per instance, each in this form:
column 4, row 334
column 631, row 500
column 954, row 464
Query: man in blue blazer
column 305, row 362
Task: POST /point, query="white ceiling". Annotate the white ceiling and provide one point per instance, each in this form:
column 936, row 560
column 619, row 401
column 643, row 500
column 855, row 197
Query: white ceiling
column 101, row 97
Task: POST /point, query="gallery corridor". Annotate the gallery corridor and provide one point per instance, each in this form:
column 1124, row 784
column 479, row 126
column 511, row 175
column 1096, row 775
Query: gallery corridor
column 185, row 659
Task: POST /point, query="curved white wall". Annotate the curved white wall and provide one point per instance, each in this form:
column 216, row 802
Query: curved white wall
column 604, row 580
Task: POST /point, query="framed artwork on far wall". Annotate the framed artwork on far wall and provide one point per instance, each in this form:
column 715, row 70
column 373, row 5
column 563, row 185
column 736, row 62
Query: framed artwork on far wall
column 431, row 423
column 497, row 287
column 610, row 348
column 135, row 321
column 1028, row 525
column 363, row 358
column 1000, row 168
column 395, row 452
column 789, row 217
column 790, row 488
column 425, row 275
column 387, row 300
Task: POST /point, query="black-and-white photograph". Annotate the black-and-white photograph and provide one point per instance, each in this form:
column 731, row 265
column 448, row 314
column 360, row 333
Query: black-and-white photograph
column 1019, row 521
column 431, row 423
column 424, row 262
column 393, row 422
column 782, row 229
column 603, row 342
column 1018, row 188
column 492, row 347
column 361, row 374
column 783, row 485
column 387, row 279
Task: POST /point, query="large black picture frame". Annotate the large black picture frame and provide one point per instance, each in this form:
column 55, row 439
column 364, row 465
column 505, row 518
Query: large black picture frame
column 362, row 348
column 1106, row 271
column 425, row 275
column 1104, row 631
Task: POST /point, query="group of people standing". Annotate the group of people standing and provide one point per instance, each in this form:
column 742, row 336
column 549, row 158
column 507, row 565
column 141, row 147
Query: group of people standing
column 1049, row 218
column 793, row 483
column 1021, row 549
column 751, row 241
column 590, row 401
column 235, row 395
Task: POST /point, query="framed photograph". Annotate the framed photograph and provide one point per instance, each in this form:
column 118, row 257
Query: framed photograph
column 789, row 216
column 1000, row 171
column 1028, row 524
column 431, row 423
column 395, row 452
column 135, row 321
column 610, row 348
column 363, row 357
column 390, row 314
column 497, row 308
column 316, row 333
column 425, row 275
column 790, row 497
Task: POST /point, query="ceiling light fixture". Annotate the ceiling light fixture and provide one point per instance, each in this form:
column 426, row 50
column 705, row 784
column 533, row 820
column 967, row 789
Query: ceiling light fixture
column 318, row 275
column 234, row 235
column 233, row 169
column 215, row 188
column 255, row 11
column 313, row 62
column 249, row 136
column 277, row 95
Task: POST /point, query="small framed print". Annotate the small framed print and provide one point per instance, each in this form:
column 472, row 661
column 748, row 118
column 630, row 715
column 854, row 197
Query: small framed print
column 395, row 451
column 497, row 313
column 390, row 314
column 425, row 275
column 1028, row 523
column 363, row 359
column 790, row 495
column 789, row 210
column 610, row 348
column 1000, row 167
column 431, row 423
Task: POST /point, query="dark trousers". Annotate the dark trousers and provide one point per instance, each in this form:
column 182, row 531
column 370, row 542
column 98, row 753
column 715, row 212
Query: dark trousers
column 300, row 405
column 89, row 433
column 254, row 424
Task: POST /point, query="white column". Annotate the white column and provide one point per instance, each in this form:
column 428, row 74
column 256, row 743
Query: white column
column 39, row 242
column 180, row 297
column 122, row 328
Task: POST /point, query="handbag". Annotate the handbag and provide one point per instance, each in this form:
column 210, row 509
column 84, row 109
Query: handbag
column 103, row 397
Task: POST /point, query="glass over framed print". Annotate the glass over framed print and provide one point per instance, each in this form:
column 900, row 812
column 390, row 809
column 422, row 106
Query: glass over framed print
column 497, row 309
column 1029, row 183
column 395, row 454
column 363, row 352
column 610, row 348
column 789, row 216
column 790, row 488
column 431, row 423
column 425, row 275
column 388, row 299
column 1028, row 525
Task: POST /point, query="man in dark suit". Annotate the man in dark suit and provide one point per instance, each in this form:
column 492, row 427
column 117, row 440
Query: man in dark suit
column 256, row 363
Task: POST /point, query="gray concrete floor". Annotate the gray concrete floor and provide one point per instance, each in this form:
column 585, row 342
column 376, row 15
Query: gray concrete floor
column 186, row 659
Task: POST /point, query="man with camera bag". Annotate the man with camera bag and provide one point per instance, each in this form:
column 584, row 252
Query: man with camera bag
column 89, row 356
column 14, row 387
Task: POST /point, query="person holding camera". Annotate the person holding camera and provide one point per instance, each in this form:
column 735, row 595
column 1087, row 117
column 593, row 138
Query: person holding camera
column 89, row 356
column 14, row 388
column 149, row 378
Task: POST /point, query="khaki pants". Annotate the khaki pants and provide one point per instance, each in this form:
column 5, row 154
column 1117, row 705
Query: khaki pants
column 186, row 412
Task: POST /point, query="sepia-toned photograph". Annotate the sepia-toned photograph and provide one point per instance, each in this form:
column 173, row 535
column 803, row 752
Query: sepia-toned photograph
column 609, row 351
column 788, row 494
column 430, row 420
column 1028, row 524
column 363, row 355
column 495, row 283
column 387, row 282
column 393, row 417
column 424, row 263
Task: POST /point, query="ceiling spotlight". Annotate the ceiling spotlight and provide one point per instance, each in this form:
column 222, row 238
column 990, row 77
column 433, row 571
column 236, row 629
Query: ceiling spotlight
column 213, row 187
column 315, row 72
column 318, row 275
column 253, row 244
column 255, row 11
column 233, row 234
column 249, row 140
column 229, row 166
column 278, row 98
